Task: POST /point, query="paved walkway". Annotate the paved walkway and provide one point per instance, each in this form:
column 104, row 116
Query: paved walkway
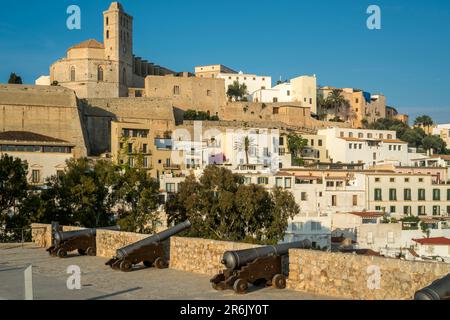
column 101, row 282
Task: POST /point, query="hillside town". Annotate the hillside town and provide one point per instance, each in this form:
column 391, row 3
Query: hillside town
column 365, row 178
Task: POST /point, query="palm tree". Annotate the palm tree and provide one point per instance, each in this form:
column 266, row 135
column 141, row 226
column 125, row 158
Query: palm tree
column 237, row 91
column 245, row 144
column 336, row 100
column 424, row 121
column 14, row 79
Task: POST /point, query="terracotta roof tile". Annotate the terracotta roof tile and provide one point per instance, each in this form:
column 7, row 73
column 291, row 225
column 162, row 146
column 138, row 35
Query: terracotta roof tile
column 434, row 241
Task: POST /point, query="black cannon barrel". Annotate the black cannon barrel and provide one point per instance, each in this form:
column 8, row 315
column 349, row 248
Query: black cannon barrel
column 91, row 232
column 438, row 290
column 125, row 251
column 235, row 259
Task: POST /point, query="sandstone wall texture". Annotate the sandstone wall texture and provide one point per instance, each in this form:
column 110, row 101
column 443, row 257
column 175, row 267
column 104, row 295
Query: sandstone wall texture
column 201, row 255
column 109, row 241
column 354, row 276
column 41, row 234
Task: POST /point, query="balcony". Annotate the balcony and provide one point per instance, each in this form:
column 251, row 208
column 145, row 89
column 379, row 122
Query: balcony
column 169, row 166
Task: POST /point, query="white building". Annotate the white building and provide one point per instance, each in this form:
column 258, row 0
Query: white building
column 252, row 81
column 433, row 248
column 43, row 81
column 368, row 147
column 45, row 156
column 302, row 90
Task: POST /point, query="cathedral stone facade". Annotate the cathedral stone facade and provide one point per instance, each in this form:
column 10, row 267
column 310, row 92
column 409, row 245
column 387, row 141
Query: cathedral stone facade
column 105, row 70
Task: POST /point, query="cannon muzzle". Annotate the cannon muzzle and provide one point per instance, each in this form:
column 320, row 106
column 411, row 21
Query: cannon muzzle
column 438, row 290
column 235, row 259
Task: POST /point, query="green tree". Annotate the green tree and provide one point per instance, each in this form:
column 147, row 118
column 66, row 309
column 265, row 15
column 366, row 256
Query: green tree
column 424, row 121
column 190, row 115
column 237, row 91
column 136, row 195
column 220, row 206
column 434, row 143
column 14, row 79
column 296, row 143
column 81, row 196
column 13, row 186
column 245, row 144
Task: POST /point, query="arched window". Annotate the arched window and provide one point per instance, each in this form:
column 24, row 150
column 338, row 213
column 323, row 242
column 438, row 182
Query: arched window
column 107, row 34
column 107, row 21
column 124, row 77
column 72, row 74
column 100, row 73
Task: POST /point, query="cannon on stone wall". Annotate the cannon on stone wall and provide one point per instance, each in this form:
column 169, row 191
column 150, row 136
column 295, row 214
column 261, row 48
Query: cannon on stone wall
column 438, row 290
column 258, row 266
column 149, row 251
column 84, row 241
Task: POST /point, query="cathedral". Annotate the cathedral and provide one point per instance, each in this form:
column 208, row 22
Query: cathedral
column 109, row 69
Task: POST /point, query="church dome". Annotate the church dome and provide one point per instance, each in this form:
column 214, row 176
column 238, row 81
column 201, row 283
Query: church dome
column 91, row 44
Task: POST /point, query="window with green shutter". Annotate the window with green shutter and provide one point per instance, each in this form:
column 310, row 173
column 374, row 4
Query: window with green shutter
column 436, row 194
column 421, row 195
column 378, row 195
column 393, row 194
column 407, row 195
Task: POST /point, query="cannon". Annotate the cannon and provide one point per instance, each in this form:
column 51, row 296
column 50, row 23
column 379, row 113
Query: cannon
column 84, row 241
column 258, row 266
column 149, row 251
column 438, row 290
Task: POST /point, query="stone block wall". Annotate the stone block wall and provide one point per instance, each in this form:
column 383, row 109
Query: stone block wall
column 109, row 241
column 353, row 276
column 201, row 255
column 41, row 234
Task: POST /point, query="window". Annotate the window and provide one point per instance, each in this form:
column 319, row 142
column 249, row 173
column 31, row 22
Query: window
column 320, row 142
column 406, row 180
column 407, row 194
column 100, row 73
column 304, row 196
column 393, row 194
column 378, row 195
column 208, row 93
column 176, row 90
column 421, row 195
column 145, row 162
column 144, row 148
column 436, row 194
column 360, row 135
column 350, row 146
column 247, row 180
column 287, row 183
column 279, row 182
column 448, row 194
column 377, row 179
column 296, row 226
column 420, row 179
column 436, row 210
column 369, row 237
column 130, row 148
column 355, row 200
column 330, row 183
column 334, row 200
column 369, row 135
column 390, row 237
column 448, row 210
column 275, row 99
column 124, row 76
column 389, row 136
column 72, row 74
column 107, row 34
column 36, row 176
column 342, row 134
column 407, row 210
column 288, row 93
column 263, row 180
column 421, row 210
column 170, row 187
column 316, row 226
column 393, row 209
column 107, row 20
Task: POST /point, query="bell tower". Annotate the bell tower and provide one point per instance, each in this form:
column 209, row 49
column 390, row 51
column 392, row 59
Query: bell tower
column 118, row 40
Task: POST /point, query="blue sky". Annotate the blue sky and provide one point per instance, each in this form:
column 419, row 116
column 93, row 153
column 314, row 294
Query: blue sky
column 408, row 60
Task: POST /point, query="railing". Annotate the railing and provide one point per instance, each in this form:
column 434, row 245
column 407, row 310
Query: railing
column 15, row 235
column 172, row 166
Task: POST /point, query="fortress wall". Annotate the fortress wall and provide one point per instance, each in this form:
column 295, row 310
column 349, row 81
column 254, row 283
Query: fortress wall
column 50, row 111
column 356, row 276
